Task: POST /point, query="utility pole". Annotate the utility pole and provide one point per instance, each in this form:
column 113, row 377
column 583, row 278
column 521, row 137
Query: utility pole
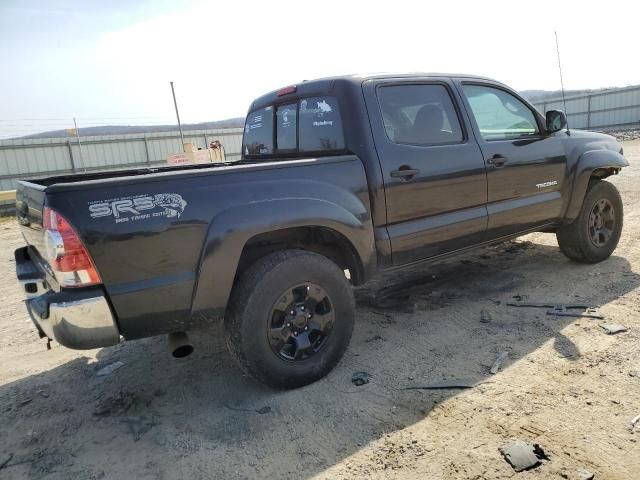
column 175, row 104
column 75, row 127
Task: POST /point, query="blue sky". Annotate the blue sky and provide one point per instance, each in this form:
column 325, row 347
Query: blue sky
column 109, row 62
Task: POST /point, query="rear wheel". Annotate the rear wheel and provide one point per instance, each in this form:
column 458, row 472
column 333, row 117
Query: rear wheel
column 290, row 318
column 594, row 235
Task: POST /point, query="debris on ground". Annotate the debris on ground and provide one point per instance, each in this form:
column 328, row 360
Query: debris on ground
column 6, row 461
column 635, row 422
column 576, row 311
column 109, row 369
column 259, row 411
column 43, row 393
column 584, row 474
column 499, row 361
column 522, row 455
column 360, row 378
column 373, row 339
column 117, row 404
column 138, row 426
column 485, row 316
column 613, row 328
column 559, row 309
column 445, row 385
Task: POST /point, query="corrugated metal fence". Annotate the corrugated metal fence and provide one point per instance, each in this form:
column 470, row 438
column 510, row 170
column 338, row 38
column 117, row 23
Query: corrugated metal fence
column 615, row 109
column 54, row 156
column 606, row 110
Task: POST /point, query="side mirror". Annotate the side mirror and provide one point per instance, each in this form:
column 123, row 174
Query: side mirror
column 556, row 120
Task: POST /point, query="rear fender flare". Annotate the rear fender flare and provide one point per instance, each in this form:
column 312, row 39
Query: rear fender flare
column 233, row 228
column 588, row 163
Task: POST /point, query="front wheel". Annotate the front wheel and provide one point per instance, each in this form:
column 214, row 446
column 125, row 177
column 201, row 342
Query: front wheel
column 594, row 235
column 290, row 318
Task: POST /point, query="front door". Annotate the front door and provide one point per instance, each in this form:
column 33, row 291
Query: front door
column 433, row 170
column 526, row 167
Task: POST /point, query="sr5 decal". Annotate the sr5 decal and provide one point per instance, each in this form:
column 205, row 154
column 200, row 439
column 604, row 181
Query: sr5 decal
column 139, row 207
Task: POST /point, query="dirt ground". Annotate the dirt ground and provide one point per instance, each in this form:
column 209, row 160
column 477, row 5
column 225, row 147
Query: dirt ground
column 565, row 385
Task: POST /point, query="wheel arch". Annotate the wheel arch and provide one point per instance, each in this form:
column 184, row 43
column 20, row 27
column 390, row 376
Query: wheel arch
column 591, row 165
column 240, row 235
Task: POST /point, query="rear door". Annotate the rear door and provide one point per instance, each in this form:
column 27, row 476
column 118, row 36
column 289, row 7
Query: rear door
column 526, row 167
column 433, row 170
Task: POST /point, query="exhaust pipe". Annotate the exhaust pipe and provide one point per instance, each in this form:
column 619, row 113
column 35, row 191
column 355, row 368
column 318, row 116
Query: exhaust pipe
column 179, row 344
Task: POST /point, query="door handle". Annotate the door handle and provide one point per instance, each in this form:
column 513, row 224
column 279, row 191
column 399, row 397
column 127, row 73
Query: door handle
column 497, row 160
column 405, row 172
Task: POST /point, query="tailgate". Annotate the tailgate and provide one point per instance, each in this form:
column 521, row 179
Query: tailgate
column 29, row 207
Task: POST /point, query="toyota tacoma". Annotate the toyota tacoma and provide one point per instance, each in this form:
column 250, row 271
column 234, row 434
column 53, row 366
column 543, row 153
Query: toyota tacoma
column 339, row 179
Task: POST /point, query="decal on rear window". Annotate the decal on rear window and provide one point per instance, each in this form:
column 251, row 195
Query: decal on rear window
column 313, row 124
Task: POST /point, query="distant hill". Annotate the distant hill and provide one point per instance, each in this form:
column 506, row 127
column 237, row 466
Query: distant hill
column 124, row 129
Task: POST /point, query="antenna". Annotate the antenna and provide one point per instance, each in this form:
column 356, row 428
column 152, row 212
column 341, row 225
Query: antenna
column 564, row 101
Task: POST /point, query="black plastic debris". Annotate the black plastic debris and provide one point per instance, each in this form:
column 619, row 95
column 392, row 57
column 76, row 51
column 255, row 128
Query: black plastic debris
column 485, row 317
column 6, row 460
column 454, row 384
column 522, row 455
column 360, row 378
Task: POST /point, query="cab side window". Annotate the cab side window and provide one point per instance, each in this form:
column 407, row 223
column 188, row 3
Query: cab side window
column 419, row 115
column 500, row 115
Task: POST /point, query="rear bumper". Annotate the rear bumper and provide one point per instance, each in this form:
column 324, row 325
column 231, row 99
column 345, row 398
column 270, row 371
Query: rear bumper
column 79, row 319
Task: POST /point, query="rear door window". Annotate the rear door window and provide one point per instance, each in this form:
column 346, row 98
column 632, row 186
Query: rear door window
column 419, row 115
column 320, row 125
column 258, row 132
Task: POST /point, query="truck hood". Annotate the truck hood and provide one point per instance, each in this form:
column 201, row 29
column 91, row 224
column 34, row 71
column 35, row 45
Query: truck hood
column 593, row 136
column 585, row 140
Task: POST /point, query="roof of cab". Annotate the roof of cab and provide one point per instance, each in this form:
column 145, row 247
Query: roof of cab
column 322, row 86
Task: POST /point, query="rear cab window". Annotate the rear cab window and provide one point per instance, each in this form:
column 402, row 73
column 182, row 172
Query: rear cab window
column 310, row 125
column 258, row 132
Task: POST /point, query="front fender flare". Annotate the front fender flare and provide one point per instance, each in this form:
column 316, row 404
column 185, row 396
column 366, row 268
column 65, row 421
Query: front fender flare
column 231, row 230
column 588, row 163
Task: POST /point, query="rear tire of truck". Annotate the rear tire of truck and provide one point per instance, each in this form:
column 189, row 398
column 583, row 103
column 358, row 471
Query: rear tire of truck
column 594, row 235
column 290, row 318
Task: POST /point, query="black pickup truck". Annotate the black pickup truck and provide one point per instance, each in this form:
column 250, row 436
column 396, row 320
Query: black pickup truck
column 340, row 178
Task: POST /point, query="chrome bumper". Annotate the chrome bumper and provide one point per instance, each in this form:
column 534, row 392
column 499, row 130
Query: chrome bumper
column 79, row 324
column 79, row 319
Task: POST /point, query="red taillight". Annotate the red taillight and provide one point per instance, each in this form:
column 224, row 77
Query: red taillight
column 66, row 253
column 287, row 90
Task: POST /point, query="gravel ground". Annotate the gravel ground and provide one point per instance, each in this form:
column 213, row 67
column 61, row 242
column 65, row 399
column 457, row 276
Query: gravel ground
column 625, row 135
column 565, row 383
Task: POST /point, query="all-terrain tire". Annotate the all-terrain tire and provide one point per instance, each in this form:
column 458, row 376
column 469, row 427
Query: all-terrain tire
column 250, row 314
column 576, row 240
